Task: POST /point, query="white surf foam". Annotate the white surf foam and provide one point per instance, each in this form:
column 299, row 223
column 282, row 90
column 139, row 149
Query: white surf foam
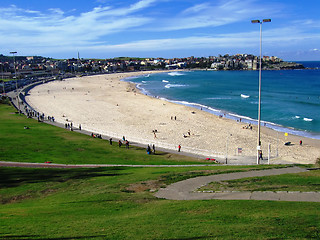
column 175, row 74
column 174, row 85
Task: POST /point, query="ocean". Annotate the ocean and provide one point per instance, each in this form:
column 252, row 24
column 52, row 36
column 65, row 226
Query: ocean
column 290, row 99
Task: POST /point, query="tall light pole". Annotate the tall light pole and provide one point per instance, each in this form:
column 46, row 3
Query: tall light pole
column 3, row 87
column 15, row 74
column 260, row 68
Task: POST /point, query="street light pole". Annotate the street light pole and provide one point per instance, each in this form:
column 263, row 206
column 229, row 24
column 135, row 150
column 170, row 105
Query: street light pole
column 260, row 69
column 15, row 74
column 3, row 87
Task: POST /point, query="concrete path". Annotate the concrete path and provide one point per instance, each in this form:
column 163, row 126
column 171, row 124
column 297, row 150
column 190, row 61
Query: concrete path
column 187, row 189
column 56, row 165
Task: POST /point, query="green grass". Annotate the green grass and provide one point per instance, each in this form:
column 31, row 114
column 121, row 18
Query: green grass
column 96, row 204
column 5, row 80
column 43, row 142
column 118, row 202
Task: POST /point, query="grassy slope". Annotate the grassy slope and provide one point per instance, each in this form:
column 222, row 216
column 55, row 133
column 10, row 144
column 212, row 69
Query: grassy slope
column 97, row 204
column 115, row 203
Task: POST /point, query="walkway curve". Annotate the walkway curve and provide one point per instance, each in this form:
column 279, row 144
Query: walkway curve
column 187, row 189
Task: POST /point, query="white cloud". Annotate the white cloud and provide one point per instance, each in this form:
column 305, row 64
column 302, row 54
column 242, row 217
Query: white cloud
column 54, row 30
column 281, row 38
column 215, row 14
column 34, row 28
column 142, row 4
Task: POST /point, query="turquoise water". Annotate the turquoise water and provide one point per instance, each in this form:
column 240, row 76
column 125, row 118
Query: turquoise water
column 290, row 99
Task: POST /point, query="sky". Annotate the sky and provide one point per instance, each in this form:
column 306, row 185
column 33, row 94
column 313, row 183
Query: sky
column 160, row 28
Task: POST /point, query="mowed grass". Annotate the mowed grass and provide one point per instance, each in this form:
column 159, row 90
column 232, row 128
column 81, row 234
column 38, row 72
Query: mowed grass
column 43, row 142
column 118, row 202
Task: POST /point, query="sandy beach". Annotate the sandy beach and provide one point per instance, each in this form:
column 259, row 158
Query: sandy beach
column 103, row 104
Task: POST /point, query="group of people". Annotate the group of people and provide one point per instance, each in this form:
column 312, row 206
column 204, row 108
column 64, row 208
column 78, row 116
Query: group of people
column 189, row 134
column 248, row 126
column 126, row 142
column 40, row 116
column 150, row 151
column 70, row 127
column 96, row 135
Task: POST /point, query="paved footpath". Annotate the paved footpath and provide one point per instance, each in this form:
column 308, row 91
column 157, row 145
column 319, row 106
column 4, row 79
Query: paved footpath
column 57, row 165
column 187, row 189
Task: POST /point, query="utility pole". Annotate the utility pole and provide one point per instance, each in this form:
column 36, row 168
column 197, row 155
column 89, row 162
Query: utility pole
column 15, row 75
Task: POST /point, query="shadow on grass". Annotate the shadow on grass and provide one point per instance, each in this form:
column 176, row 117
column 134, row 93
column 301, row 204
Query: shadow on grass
column 191, row 238
column 28, row 237
column 19, row 237
column 14, row 177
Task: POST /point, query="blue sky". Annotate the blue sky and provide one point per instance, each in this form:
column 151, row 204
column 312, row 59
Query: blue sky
column 159, row 28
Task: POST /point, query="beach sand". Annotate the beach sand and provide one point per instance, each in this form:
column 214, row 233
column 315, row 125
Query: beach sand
column 103, row 104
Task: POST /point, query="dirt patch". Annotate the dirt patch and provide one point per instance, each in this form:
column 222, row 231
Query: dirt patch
column 151, row 185
column 27, row 195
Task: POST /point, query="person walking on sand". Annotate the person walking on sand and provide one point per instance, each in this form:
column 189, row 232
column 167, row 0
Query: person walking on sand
column 179, row 148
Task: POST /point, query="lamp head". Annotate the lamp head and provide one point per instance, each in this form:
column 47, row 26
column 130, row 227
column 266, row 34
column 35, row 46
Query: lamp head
column 255, row 21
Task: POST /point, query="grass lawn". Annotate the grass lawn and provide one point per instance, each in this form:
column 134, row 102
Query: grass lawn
column 118, row 202
column 5, row 80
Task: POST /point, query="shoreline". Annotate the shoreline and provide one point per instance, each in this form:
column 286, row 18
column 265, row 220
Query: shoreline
column 301, row 133
column 270, row 128
column 108, row 105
